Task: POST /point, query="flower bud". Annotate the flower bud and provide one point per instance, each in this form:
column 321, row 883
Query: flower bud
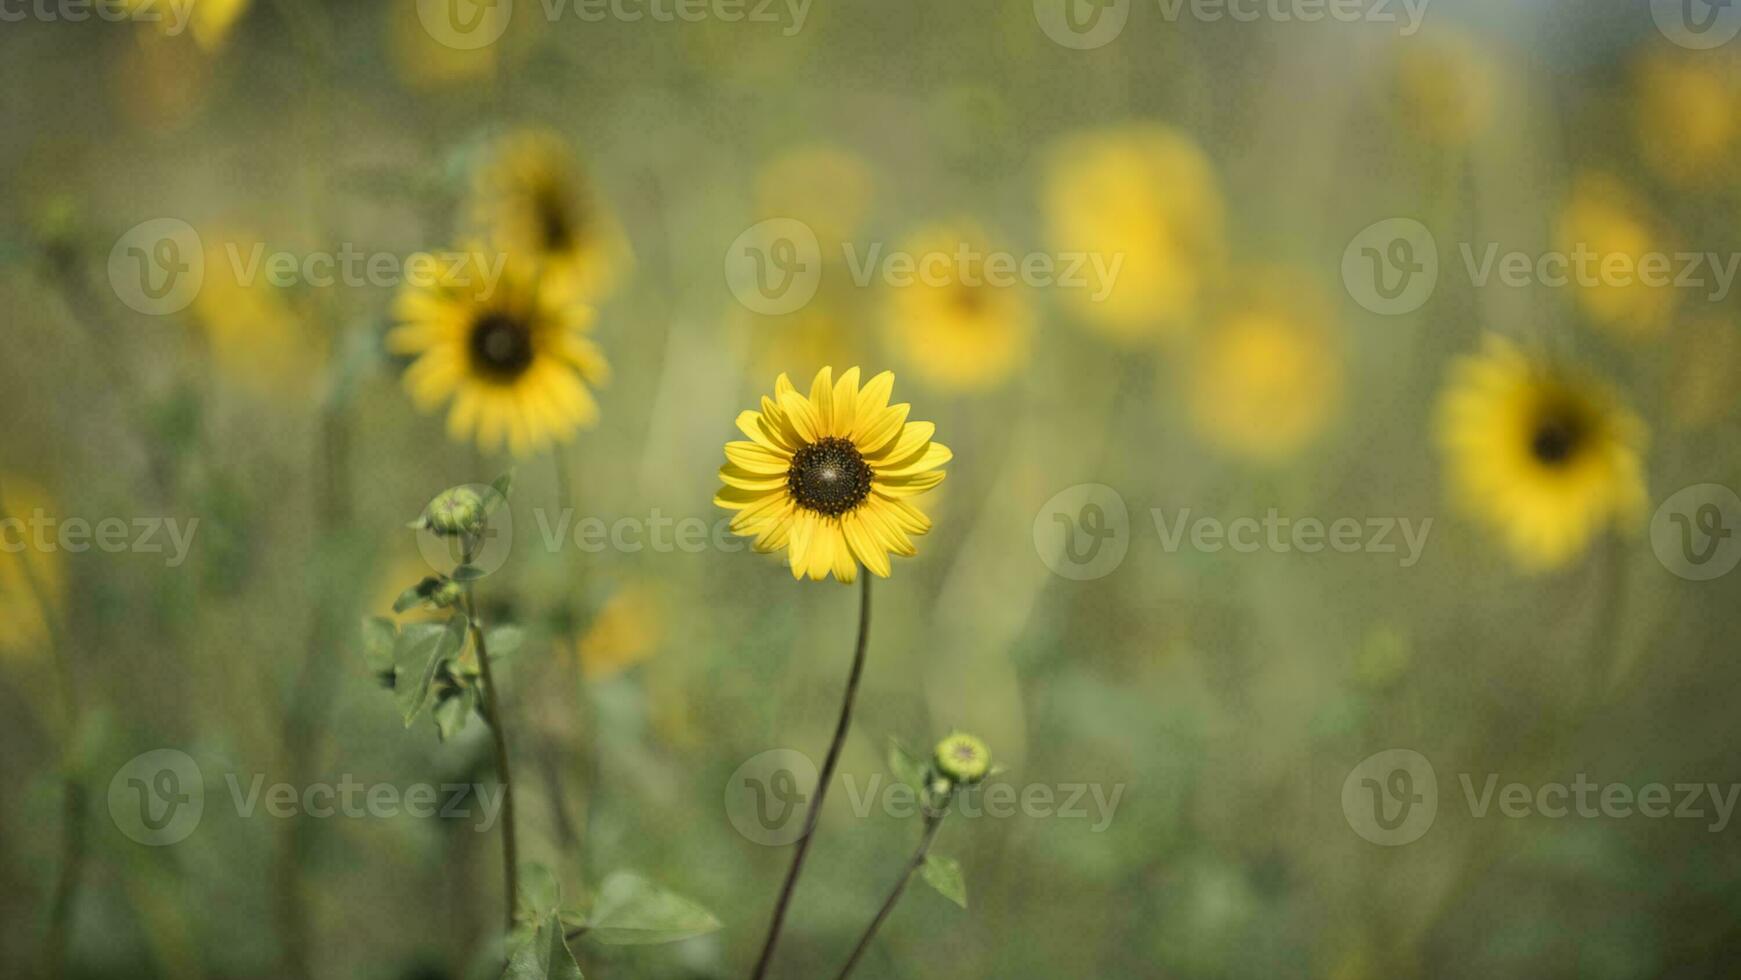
column 459, row 510
column 963, row 758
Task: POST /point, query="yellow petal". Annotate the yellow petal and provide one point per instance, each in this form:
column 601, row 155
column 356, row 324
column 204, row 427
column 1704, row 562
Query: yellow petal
column 873, row 398
column 932, row 456
column 913, row 436
column 801, row 416
column 822, row 397
column 757, row 459
column 845, row 403
column 864, row 543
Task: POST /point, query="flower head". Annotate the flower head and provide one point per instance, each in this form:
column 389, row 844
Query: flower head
column 830, row 476
column 509, row 352
column 960, row 324
column 1544, row 457
column 1605, row 220
column 533, row 201
column 963, row 758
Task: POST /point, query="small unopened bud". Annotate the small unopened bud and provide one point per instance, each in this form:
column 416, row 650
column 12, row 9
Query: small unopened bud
column 963, row 758
column 456, row 511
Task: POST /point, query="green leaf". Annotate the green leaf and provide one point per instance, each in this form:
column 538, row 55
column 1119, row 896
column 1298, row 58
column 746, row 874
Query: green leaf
column 452, row 714
column 415, row 595
column 418, row 655
column 906, row 768
column 538, row 951
column 379, row 635
column 503, row 640
column 631, row 910
column 540, row 892
column 502, row 485
column 944, row 874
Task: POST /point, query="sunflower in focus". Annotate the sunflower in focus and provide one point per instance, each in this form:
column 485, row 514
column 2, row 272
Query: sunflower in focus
column 962, row 323
column 509, row 352
column 32, row 577
column 1686, row 113
column 830, row 477
column 1546, row 458
column 1147, row 195
column 1266, row 378
column 1605, row 223
column 532, row 201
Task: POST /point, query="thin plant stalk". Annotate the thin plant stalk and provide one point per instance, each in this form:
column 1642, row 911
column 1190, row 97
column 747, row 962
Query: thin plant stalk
column 933, row 820
column 493, row 715
column 826, row 777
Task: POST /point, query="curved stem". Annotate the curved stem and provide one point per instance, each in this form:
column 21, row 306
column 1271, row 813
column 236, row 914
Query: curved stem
column 493, row 715
column 932, row 822
column 826, row 777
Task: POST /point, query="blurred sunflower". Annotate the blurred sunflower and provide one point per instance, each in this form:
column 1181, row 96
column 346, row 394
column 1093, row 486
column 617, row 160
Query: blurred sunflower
column 826, row 188
column 827, row 476
column 250, row 331
column 958, row 327
column 531, row 200
column 1146, row 194
column 626, row 631
column 1686, row 114
column 209, row 21
column 32, row 577
column 1602, row 219
column 511, row 355
column 1546, row 458
column 1267, row 378
column 1443, row 89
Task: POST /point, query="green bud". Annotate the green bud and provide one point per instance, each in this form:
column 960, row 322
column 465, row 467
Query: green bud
column 963, row 758
column 447, row 594
column 459, row 510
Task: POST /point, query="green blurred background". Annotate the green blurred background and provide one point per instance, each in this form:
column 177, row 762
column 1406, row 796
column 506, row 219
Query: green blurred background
column 1226, row 695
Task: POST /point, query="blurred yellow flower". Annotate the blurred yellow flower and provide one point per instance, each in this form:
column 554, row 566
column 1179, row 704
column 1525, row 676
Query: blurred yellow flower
column 248, row 327
column 1444, row 90
column 822, row 186
column 1545, row 458
column 626, row 631
column 961, row 323
column 508, row 351
column 32, row 576
column 1267, row 378
column 1706, row 362
column 208, row 21
column 531, row 200
column 1616, row 233
column 1147, row 195
column 828, row 477
column 1686, row 114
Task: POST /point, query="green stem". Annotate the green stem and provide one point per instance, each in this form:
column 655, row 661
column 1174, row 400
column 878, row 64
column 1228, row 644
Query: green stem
column 932, row 822
column 826, row 777
column 493, row 715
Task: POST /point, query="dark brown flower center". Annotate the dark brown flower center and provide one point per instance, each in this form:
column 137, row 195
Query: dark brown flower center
column 1556, row 438
column 829, row 477
column 501, row 346
column 555, row 224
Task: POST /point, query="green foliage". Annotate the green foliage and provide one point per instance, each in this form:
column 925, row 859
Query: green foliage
column 419, row 653
column 944, row 874
column 630, row 910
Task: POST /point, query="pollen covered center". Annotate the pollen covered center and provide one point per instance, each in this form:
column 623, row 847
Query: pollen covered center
column 501, row 346
column 829, row 477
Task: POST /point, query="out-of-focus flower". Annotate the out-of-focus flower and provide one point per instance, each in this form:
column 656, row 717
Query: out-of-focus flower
column 32, row 577
column 828, row 477
column 1686, row 114
column 824, row 187
column 208, row 21
column 531, row 200
column 1444, row 87
column 959, row 324
column 1266, row 379
column 1147, row 196
column 627, row 631
column 246, row 323
column 1607, row 230
column 1706, row 362
column 1545, row 458
column 509, row 353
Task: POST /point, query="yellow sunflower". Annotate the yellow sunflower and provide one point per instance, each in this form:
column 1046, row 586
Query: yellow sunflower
column 533, row 201
column 1616, row 233
column 1686, row 114
column 248, row 327
column 959, row 324
column 828, row 477
column 1444, row 88
column 1544, row 457
column 509, row 350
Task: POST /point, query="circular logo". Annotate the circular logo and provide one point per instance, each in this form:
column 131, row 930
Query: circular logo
column 775, row 266
column 444, row 553
column 768, row 797
column 1392, row 266
column 157, row 797
column 1083, row 532
column 157, row 266
column 465, row 24
column 1391, row 797
column 1082, row 25
column 1697, row 24
column 1696, row 533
